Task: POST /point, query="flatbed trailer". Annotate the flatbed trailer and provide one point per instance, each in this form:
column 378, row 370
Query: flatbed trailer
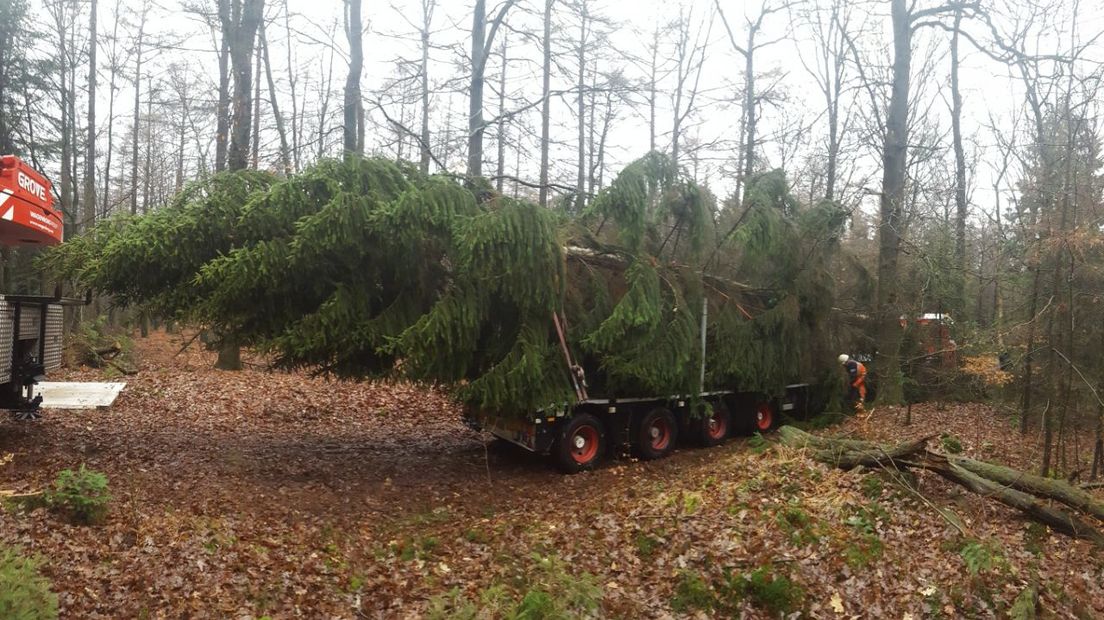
column 577, row 436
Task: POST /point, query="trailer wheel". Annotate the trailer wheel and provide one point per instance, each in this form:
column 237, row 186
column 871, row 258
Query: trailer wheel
column 713, row 430
column 581, row 445
column 656, row 434
column 764, row 417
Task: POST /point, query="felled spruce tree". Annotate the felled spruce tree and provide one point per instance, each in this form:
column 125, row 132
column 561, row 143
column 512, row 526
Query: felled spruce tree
column 367, row 268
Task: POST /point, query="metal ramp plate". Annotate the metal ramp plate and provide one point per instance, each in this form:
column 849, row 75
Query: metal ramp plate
column 78, row 395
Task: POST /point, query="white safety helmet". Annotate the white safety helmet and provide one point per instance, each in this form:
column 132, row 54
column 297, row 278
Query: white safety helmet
column 843, row 358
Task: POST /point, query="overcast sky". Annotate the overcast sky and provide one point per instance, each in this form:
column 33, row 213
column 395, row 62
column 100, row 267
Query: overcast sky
column 989, row 91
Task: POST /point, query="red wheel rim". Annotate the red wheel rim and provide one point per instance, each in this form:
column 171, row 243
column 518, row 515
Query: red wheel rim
column 659, row 433
column 584, row 444
column 764, row 416
column 716, row 425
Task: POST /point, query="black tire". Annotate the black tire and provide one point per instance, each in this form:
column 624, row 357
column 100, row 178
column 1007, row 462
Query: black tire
column 581, row 444
column 656, row 434
column 714, row 430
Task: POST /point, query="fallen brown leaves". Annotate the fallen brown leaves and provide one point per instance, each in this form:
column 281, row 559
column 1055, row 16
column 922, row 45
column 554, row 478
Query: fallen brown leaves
column 256, row 493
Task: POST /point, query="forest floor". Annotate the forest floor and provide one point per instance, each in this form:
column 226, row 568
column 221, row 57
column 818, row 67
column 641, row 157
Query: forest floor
column 252, row 494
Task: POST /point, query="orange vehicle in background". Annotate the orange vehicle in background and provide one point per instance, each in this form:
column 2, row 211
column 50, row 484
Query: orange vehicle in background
column 932, row 333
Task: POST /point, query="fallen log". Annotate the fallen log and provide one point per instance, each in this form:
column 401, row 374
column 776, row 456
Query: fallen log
column 881, row 457
column 797, row 438
column 29, row 501
column 16, row 495
column 1005, row 485
column 109, row 351
column 1051, row 488
column 850, row 453
column 1030, row 505
column 126, row 370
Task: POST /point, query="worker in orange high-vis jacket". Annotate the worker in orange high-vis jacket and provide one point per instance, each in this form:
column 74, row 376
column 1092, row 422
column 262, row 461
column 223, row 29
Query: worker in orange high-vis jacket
column 856, row 380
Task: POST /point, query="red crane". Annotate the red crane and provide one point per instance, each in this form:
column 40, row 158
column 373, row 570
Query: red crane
column 30, row 325
column 27, row 215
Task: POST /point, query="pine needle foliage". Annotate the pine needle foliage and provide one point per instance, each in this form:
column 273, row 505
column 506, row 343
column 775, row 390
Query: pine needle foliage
column 364, row 267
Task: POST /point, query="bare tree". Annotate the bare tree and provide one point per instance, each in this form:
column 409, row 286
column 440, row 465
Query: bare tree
column 425, row 155
column 139, row 50
column 281, row 130
column 292, row 82
column 828, row 26
column 324, row 92
column 240, row 20
column 222, row 111
column 147, row 169
column 905, row 18
column 115, row 65
column 582, row 51
column 255, row 151
column 960, row 166
column 690, row 52
column 482, row 41
column 652, row 87
column 64, row 15
column 500, row 137
column 546, row 100
column 90, row 153
column 751, row 101
column 353, row 107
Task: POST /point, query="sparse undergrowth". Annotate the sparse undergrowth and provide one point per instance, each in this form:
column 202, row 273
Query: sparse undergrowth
column 97, row 344
column 764, row 588
column 24, row 593
column 80, row 495
column 549, row 592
